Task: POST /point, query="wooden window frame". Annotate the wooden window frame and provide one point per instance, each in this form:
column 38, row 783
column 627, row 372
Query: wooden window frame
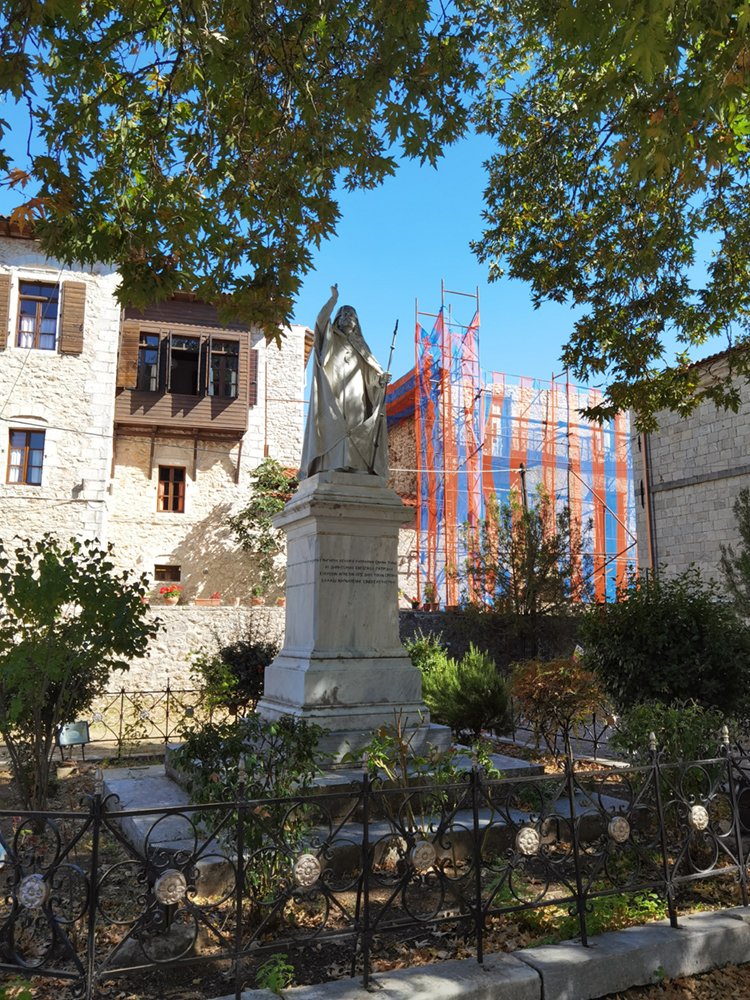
column 169, row 490
column 167, row 573
column 27, row 449
column 40, row 303
column 217, row 349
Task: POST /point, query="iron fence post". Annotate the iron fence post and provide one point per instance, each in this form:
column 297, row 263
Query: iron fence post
column 95, row 805
column 239, row 887
column 477, row 847
column 742, row 873
column 580, row 894
column 166, row 720
column 656, row 777
column 122, row 716
column 366, row 861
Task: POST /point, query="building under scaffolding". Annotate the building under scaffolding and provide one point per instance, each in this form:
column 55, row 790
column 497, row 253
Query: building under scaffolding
column 480, row 434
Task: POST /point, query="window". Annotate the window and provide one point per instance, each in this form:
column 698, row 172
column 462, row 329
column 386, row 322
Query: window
column 171, row 495
column 185, row 356
column 148, row 362
column 225, row 360
column 25, row 457
column 37, row 315
column 195, row 365
column 167, row 574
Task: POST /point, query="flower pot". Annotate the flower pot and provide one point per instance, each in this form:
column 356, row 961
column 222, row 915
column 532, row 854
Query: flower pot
column 171, row 600
column 207, row 602
column 280, row 602
column 257, row 601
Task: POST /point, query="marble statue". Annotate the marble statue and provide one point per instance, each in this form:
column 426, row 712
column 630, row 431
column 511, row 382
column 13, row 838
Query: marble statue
column 346, row 428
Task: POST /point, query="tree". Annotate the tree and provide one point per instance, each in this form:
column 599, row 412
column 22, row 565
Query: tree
column 526, row 564
column 527, row 560
column 253, row 524
column 736, row 567
column 624, row 131
column 67, row 620
column 199, row 145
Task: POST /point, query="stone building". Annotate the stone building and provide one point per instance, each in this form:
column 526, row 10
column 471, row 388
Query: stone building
column 140, row 429
column 198, row 406
column 687, row 475
column 59, row 329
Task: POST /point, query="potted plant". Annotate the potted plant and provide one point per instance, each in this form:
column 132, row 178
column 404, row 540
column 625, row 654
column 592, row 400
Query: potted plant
column 280, row 602
column 171, row 593
column 430, row 596
column 256, row 595
column 208, row 602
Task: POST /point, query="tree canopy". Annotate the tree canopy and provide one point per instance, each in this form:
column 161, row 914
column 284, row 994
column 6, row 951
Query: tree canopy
column 198, row 145
column 622, row 169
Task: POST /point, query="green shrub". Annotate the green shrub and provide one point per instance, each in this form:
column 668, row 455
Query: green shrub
column 669, row 640
column 684, row 730
column 280, row 757
column 468, row 695
column 555, row 696
column 426, row 649
column 233, row 677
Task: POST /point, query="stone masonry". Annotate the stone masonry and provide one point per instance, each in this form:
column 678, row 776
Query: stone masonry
column 198, row 539
column 68, row 396
column 698, row 466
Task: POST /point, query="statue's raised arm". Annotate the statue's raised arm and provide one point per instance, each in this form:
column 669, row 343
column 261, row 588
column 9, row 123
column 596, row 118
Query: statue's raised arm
column 345, row 430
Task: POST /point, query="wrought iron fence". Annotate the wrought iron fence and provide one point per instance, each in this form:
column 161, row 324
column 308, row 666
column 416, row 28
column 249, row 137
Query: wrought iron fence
column 337, row 874
column 126, row 719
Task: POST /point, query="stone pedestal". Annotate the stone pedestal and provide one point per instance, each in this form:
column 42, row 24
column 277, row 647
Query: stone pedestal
column 342, row 664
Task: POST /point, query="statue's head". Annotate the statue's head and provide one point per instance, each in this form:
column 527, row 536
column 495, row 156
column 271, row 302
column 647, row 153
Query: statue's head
column 346, row 319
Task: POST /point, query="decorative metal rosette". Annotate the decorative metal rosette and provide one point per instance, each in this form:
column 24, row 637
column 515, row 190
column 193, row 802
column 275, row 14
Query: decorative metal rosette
column 33, row 892
column 306, row 871
column 618, row 829
column 97, row 717
column 170, row 887
column 528, row 841
column 422, row 855
column 698, row 817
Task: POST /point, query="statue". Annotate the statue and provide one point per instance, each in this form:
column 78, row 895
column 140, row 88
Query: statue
column 346, row 429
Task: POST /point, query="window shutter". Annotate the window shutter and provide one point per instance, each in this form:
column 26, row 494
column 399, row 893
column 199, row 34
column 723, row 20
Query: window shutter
column 4, row 309
column 71, row 320
column 253, row 387
column 127, row 363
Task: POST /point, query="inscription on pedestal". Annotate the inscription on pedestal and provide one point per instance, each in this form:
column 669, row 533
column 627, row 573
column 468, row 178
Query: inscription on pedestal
column 357, row 571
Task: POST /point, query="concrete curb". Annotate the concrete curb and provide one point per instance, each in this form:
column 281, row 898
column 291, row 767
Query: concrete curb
column 615, row 961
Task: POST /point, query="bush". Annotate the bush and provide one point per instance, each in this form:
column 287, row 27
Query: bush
column 670, row 640
column 468, row 695
column 280, row 758
column 426, row 649
column 233, row 677
column 556, row 696
column 684, row 730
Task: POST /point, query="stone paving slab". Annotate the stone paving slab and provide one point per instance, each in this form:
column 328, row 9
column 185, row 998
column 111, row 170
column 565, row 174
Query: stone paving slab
column 614, row 962
column 638, row 956
column 502, row 977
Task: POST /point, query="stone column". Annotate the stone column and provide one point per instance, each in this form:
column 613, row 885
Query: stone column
column 342, row 664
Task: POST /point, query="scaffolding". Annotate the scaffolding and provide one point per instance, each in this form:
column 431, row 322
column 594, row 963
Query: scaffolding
column 482, row 434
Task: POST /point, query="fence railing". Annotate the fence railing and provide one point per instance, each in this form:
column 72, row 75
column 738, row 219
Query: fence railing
column 337, row 875
column 125, row 719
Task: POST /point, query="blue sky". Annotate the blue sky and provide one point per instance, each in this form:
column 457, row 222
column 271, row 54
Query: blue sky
column 397, row 242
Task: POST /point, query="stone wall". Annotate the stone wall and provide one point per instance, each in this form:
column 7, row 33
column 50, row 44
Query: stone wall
column 496, row 634
column 698, row 466
column 68, row 396
column 186, row 630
